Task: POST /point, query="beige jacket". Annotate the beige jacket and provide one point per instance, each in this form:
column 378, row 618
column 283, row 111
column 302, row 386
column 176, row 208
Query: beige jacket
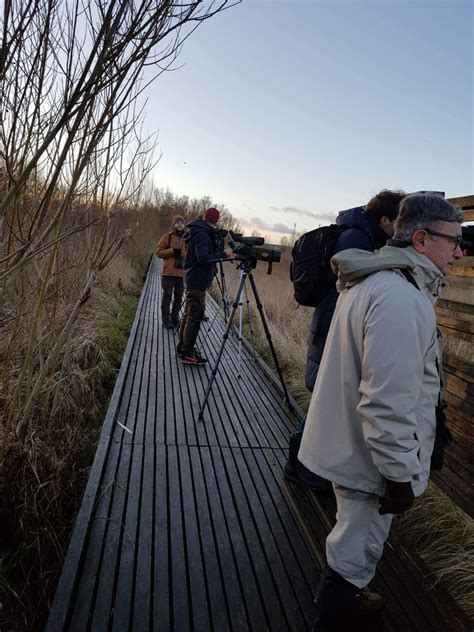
column 372, row 412
column 164, row 250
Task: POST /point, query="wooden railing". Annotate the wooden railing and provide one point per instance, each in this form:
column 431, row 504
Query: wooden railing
column 455, row 314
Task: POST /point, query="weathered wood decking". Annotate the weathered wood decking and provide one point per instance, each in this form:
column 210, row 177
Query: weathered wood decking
column 189, row 525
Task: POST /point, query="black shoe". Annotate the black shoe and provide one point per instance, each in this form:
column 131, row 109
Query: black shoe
column 192, row 358
column 296, row 472
column 341, row 606
column 167, row 324
column 205, row 318
column 175, row 321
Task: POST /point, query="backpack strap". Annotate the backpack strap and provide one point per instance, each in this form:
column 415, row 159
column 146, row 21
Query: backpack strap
column 409, row 277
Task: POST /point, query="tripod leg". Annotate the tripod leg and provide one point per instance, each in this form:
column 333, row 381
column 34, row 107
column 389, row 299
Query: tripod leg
column 221, row 350
column 270, row 343
column 223, row 290
column 249, row 318
column 239, row 365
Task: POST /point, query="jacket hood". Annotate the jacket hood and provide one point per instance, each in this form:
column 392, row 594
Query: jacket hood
column 353, row 265
column 356, row 218
column 196, row 225
column 353, row 218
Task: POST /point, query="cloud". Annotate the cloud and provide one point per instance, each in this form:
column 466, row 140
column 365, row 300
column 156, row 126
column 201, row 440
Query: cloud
column 259, row 224
column 282, row 228
column 243, row 222
column 292, row 210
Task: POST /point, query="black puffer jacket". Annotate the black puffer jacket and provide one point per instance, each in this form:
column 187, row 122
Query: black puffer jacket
column 201, row 255
column 360, row 231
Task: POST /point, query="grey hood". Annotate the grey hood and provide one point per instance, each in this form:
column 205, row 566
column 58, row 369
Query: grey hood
column 351, row 266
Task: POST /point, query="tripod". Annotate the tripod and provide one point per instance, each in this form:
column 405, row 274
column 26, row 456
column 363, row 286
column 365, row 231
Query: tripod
column 221, row 284
column 246, row 267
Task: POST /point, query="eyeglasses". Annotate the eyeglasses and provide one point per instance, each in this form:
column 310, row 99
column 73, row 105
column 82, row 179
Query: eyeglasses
column 179, row 221
column 456, row 241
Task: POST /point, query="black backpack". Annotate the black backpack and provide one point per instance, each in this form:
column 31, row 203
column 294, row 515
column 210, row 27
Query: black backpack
column 310, row 267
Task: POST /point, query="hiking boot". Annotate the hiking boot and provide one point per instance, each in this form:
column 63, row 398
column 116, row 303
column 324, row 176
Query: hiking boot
column 296, row 472
column 341, row 606
column 369, row 602
column 193, row 358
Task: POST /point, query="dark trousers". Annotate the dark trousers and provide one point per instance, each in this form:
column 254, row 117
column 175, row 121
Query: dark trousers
column 173, row 288
column 195, row 301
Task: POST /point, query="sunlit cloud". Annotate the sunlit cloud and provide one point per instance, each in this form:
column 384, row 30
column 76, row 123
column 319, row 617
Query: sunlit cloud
column 299, row 212
column 282, row 228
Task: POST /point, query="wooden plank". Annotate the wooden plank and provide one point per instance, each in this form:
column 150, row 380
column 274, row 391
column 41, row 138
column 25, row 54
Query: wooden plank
column 126, row 565
column 295, row 555
column 200, row 595
column 138, row 395
column 459, row 290
column 219, row 545
column 145, row 547
column 247, row 568
column 225, row 605
column 162, row 609
column 273, row 542
column 179, row 579
column 148, row 364
column 265, row 564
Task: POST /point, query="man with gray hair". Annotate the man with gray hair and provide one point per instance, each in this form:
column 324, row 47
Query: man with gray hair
column 371, row 423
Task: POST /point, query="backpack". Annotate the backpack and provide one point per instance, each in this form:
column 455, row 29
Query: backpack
column 309, row 269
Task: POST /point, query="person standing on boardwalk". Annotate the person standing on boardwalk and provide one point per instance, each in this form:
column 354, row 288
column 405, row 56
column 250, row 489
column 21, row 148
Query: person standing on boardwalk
column 200, row 267
column 170, row 249
column 371, row 424
column 367, row 229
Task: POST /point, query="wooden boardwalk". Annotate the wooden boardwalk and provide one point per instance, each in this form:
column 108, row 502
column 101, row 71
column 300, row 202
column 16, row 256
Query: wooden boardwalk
column 189, row 525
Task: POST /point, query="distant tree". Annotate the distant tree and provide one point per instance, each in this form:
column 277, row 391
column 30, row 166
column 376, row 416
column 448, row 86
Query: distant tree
column 286, row 240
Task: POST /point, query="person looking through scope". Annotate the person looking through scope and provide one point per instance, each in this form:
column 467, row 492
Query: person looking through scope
column 202, row 255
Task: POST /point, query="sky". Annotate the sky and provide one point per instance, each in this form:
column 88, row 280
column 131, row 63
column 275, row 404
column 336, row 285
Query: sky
column 287, row 112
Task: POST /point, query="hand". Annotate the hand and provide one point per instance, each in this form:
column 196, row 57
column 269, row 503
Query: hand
column 397, row 499
column 176, row 252
column 229, row 253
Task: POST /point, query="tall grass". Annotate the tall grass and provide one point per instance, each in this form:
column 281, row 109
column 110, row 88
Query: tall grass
column 44, row 469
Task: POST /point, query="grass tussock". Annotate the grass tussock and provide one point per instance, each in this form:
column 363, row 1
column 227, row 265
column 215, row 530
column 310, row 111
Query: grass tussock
column 436, row 528
column 443, row 536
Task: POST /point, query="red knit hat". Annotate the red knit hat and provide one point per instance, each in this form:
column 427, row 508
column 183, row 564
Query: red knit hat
column 211, row 215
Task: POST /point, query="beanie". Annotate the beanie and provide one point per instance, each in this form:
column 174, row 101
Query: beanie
column 211, row 215
column 176, row 218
